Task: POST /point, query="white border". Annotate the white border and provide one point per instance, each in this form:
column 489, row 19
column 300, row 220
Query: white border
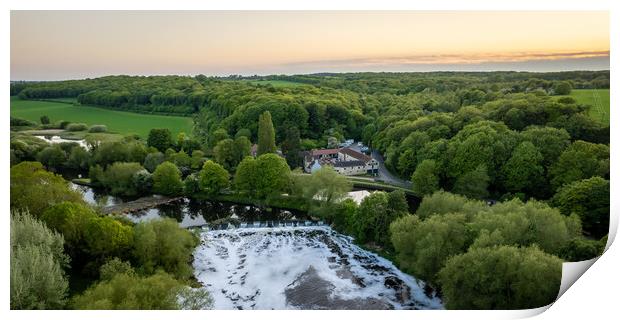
column 593, row 295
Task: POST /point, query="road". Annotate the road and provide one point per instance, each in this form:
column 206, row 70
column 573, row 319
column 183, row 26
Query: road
column 386, row 176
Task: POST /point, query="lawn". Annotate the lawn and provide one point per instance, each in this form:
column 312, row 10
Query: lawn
column 117, row 121
column 598, row 99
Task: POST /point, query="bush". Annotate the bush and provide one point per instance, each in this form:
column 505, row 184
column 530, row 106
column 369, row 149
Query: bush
column 77, row 127
column 18, row 122
column 98, row 128
column 62, row 124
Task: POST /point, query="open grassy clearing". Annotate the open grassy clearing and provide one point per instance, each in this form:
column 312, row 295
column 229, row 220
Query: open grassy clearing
column 598, row 99
column 116, row 121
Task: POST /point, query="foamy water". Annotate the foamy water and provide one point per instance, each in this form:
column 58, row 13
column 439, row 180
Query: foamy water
column 301, row 268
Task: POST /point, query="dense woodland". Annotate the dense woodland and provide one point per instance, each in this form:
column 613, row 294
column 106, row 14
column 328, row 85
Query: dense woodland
column 464, row 140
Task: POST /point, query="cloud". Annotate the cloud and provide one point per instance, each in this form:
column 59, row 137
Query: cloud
column 451, row 59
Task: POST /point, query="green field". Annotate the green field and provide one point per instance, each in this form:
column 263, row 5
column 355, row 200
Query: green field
column 598, row 99
column 117, row 121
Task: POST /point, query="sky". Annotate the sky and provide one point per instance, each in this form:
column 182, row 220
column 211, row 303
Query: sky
column 54, row 45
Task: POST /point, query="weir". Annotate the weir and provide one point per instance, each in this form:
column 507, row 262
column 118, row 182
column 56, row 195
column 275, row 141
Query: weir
column 263, row 224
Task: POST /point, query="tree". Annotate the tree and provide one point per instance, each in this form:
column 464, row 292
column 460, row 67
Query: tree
column 266, row 134
column 549, row 141
column 45, row 120
column 581, row 160
column 272, row 175
column 425, row 180
column 34, row 189
column 473, row 184
column 442, row 202
column 105, row 237
column 79, row 158
column 53, row 157
column 562, row 88
column 328, row 187
column 588, row 198
column 70, row 219
column 167, row 179
column 118, row 178
column 375, row 214
column 37, row 260
column 213, row 178
column 524, row 170
column 160, row 139
column 246, row 175
column 243, row 148
column 580, row 249
column 291, row 146
column 161, row 243
column 217, row 136
column 424, row 246
column 152, row 160
column 524, row 224
column 225, row 153
column 502, row 277
column 343, row 215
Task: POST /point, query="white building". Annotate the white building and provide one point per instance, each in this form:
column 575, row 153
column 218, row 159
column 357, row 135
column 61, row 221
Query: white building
column 345, row 161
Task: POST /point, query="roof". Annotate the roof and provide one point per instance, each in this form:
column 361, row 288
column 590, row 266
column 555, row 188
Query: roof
column 324, row 151
column 355, row 154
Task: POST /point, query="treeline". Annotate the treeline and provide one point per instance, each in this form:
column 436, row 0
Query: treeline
column 415, row 82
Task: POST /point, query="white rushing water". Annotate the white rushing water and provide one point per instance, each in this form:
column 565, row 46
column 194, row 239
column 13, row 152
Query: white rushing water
column 58, row 139
column 301, row 268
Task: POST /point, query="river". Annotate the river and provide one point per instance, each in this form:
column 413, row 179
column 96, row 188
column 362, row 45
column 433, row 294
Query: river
column 311, row 267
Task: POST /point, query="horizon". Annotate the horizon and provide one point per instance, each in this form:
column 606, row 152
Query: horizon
column 47, row 45
column 303, row 74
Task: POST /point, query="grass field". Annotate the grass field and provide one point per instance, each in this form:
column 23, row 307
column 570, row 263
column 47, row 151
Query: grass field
column 598, row 99
column 117, row 121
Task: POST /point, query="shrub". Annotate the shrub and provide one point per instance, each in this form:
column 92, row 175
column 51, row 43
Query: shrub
column 98, row 128
column 77, row 127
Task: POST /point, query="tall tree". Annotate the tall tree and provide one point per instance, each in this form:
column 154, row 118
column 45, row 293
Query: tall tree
column 266, row 134
column 291, row 146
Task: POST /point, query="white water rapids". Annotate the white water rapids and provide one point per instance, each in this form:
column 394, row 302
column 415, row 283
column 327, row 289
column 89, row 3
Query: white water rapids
column 301, row 268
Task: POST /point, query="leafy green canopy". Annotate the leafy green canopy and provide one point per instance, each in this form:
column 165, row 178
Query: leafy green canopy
column 501, row 277
column 37, row 261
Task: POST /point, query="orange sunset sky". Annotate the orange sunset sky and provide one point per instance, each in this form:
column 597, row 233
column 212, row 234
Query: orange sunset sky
column 48, row 45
